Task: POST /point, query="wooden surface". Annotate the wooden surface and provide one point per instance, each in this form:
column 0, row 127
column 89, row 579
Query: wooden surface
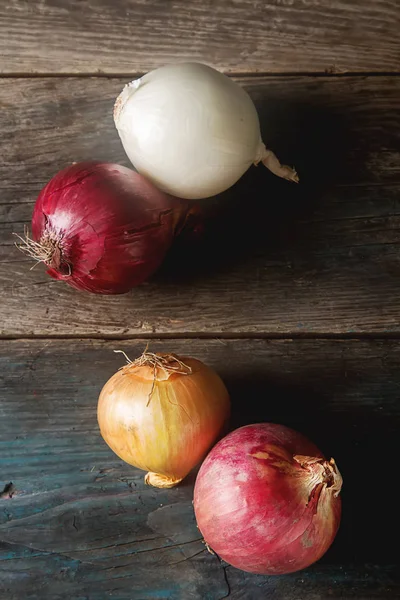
column 291, row 293
column 321, row 257
column 128, row 36
column 82, row 524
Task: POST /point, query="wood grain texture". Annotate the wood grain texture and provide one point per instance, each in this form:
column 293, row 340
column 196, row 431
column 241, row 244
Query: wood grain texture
column 81, row 524
column 130, row 36
column 320, row 257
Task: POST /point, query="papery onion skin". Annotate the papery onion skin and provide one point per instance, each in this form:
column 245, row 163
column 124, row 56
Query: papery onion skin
column 164, row 425
column 105, row 227
column 263, row 505
column 191, row 130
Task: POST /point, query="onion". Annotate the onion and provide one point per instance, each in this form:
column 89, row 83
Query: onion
column 267, row 501
column 102, row 227
column 191, row 130
column 162, row 413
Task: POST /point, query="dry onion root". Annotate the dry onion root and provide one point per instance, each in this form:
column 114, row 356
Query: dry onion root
column 161, row 413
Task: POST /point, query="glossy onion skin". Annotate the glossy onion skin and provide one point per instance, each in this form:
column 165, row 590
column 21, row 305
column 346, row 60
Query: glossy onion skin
column 111, row 227
column 166, row 429
column 256, row 508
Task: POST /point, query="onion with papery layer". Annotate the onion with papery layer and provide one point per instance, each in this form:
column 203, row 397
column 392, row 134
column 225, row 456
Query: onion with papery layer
column 162, row 413
column 192, row 130
column 267, row 501
column 102, row 227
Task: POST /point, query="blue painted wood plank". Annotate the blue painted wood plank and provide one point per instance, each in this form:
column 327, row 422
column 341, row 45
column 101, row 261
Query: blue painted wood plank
column 82, row 524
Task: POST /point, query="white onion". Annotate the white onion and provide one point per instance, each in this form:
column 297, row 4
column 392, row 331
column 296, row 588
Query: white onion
column 191, row 130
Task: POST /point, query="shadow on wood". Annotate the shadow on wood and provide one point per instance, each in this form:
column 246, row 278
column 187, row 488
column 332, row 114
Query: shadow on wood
column 363, row 441
column 262, row 213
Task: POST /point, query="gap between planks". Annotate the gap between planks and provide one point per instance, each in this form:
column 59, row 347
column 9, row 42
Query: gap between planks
column 235, row 74
column 213, row 336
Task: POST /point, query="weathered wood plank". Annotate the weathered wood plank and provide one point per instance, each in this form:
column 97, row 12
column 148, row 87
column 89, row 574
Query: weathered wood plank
column 103, row 36
column 320, row 257
column 336, row 130
column 81, row 524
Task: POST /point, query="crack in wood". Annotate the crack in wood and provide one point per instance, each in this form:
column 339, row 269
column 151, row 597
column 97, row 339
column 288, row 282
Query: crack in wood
column 166, row 547
column 186, row 558
column 46, row 552
column 224, row 568
column 74, row 525
column 117, row 545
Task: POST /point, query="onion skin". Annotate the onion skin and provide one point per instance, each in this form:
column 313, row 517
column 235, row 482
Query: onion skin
column 266, row 501
column 106, row 227
column 163, row 425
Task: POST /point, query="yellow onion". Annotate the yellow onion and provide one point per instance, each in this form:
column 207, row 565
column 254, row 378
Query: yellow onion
column 161, row 413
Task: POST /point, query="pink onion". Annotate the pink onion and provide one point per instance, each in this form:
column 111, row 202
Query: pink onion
column 102, row 227
column 267, row 501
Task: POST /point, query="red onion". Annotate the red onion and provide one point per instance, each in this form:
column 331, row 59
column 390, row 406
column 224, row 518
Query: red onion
column 102, row 227
column 266, row 500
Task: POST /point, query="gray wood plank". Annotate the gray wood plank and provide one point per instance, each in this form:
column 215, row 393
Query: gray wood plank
column 320, row 257
column 81, row 524
column 104, row 36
